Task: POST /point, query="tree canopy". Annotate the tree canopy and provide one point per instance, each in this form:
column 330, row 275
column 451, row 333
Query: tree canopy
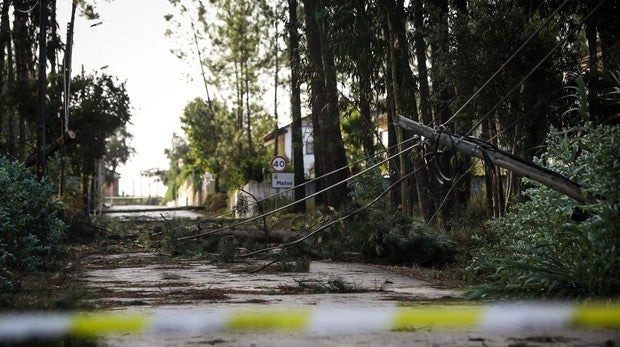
column 494, row 69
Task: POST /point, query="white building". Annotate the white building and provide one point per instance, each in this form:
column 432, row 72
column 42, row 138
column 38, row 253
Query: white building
column 284, row 138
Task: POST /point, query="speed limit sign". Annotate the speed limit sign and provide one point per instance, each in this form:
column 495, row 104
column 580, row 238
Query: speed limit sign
column 278, row 163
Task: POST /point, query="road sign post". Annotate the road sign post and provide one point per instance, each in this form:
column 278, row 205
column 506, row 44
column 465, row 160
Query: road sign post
column 279, row 179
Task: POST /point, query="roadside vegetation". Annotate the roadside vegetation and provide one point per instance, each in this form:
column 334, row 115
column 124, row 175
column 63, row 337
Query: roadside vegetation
column 32, row 235
column 548, row 91
column 549, row 246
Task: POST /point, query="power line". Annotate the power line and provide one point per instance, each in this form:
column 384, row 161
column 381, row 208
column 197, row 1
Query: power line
column 561, row 42
column 338, row 220
column 511, row 91
column 28, row 10
column 323, row 176
column 306, row 198
column 493, row 55
column 506, row 62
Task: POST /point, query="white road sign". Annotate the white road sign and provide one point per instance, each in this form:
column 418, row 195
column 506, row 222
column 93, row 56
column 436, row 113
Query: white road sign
column 282, row 180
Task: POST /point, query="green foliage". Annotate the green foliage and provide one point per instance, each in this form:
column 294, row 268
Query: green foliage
column 31, row 234
column 205, row 150
column 388, row 237
column 216, row 203
column 540, row 251
column 100, row 111
column 367, row 186
column 227, row 248
column 404, row 241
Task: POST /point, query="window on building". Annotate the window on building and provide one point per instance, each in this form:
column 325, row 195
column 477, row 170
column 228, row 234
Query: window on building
column 309, row 146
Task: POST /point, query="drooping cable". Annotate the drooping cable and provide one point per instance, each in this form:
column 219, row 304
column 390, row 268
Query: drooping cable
column 306, row 198
column 336, row 221
column 556, row 46
column 549, row 18
column 306, row 182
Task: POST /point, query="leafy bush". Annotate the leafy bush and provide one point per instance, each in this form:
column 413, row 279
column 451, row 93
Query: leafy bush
column 388, row 237
column 31, row 233
column 400, row 240
column 541, row 251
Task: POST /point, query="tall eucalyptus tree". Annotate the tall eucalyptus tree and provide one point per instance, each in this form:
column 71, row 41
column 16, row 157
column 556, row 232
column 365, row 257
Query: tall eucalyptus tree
column 297, row 136
column 330, row 156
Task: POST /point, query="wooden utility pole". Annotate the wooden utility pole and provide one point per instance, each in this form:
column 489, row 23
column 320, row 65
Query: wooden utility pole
column 498, row 157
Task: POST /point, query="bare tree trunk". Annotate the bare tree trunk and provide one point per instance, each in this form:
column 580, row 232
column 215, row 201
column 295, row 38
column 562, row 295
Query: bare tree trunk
column 317, row 94
column 24, row 70
column 248, row 111
column 462, row 163
column 5, row 42
column 298, row 155
column 420, row 49
column 42, row 91
column 337, row 159
column 4, row 37
column 609, row 33
column 405, row 103
column 364, row 72
column 394, row 164
column 329, row 150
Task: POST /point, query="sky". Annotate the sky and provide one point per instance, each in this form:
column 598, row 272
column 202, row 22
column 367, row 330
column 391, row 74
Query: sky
column 130, row 44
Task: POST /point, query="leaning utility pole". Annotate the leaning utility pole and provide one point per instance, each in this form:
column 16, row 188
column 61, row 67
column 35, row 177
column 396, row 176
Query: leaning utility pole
column 485, row 151
column 42, row 90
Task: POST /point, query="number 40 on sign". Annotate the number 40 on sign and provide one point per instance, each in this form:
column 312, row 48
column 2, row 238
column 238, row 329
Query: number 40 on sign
column 278, row 163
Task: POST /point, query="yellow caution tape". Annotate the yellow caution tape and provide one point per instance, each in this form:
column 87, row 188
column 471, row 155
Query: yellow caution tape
column 442, row 317
column 92, row 324
column 597, row 315
column 506, row 316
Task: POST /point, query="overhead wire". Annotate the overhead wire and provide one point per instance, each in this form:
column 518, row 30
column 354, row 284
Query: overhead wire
column 449, row 120
column 561, row 42
column 28, row 10
column 338, row 220
column 515, row 121
column 493, row 55
column 306, row 182
column 210, row 232
column 506, row 95
column 514, row 54
column 433, row 157
column 445, row 199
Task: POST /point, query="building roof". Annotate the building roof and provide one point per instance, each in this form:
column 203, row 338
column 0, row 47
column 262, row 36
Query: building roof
column 276, row 133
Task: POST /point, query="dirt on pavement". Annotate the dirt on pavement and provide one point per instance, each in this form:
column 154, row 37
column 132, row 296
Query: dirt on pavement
column 158, row 283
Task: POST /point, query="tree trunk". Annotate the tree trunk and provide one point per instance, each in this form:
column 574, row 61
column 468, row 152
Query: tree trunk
column 337, row 159
column 394, row 164
column 5, row 43
column 24, row 40
column 329, row 147
column 364, row 72
column 420, row 49
column 462, row 124
column 442, row 93
column 317, row 94
column 248, row 111
column 609, row 33
column 297, row 134
column 42, row 91
column 405, row 103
